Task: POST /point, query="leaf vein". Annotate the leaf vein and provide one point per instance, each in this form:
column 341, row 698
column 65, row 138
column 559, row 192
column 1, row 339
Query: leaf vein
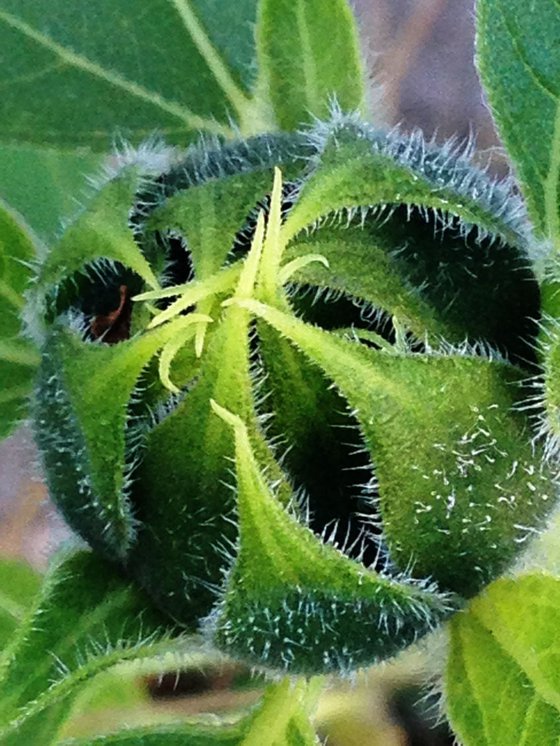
column 210, row 55
column 539, row 81
column 33, row 76
column 469, row 677
column 551, row 183
column 76, row 60
column 528, row 714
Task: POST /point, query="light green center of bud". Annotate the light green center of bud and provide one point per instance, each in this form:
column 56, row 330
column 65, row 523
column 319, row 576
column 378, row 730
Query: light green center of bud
column 260, row 277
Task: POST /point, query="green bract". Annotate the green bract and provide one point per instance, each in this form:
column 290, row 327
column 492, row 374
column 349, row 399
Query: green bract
column 282, row 386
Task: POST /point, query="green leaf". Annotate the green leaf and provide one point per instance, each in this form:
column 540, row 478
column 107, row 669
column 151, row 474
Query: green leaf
column 309, row 55
column 502, row 678
column 47, row 186
column 18, row 358
column 404, row 404
column 17, row 251
column 40, row 728
column 18, row 587
column 520, row 68
column 121, row 690
column 87, row 619
column 122, row 693
column 18, row 361
column 294, row 602
column 146, row 65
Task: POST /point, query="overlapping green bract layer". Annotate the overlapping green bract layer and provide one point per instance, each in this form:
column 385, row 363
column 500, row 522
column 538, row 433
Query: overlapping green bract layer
column 284, row 376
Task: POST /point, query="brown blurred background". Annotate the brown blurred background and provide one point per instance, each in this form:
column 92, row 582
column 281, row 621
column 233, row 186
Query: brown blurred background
column 422, row 53
column 420, row 56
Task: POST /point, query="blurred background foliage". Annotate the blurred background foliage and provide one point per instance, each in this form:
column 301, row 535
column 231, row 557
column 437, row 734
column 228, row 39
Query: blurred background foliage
column 419, row 56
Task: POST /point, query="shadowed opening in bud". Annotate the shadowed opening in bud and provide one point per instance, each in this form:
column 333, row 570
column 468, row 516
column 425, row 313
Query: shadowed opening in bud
column 329, row 466
column 481, row 286
column 114, row 326
column 99, row 298
column 337, row 311
column 179, row 265
column 99, row 301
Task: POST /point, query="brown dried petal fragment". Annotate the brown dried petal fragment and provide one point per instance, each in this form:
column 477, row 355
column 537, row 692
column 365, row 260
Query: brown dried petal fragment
column 115, row 326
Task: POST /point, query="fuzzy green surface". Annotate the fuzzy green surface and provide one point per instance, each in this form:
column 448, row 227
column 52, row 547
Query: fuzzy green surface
column 343, row 370
column 88, row 458
column 101, row 231
column 458, row 449
column 294, row 602
column 185, row 518
column 422, row 234
column 18, row 587
column 308, row 56
column 86, row 619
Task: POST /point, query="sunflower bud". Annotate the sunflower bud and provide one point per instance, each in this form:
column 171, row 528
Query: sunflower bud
column 282, row 387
